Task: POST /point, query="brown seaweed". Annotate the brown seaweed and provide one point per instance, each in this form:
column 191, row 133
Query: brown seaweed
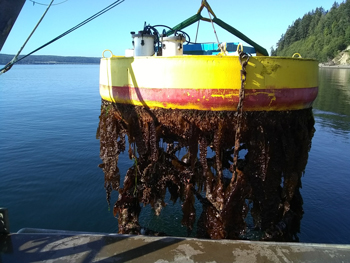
column 264, row 180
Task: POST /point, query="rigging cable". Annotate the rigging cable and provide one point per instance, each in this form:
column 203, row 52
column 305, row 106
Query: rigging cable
column 215, row 32
column 34, row 2
column 15, row 58
column 111, row 6
column 197, row 32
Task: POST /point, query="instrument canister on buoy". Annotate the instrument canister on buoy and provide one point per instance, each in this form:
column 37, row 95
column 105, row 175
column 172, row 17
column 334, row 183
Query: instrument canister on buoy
column 173, row 46
column 143, row 44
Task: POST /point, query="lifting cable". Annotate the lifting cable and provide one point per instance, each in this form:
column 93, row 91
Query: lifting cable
column 34, row 2
column 15, row 60
column 217, row 39
column 197, row 32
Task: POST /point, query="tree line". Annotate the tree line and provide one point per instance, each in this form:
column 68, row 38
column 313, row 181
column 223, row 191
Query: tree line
column 47, row 59
column 320, row 34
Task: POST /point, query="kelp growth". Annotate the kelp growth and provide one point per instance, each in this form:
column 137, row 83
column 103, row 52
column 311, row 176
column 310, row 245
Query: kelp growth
column 273, row 152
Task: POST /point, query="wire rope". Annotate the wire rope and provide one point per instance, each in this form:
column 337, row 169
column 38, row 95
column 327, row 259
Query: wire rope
column 215, row 32
column 101, row 12
column 197, row 32
column 15, row 58
column 38, row 3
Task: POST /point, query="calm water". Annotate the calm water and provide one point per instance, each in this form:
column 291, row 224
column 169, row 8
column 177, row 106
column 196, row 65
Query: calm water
column 49, row 155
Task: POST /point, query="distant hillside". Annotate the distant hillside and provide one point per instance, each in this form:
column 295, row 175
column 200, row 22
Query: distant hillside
column 36, row 59
column 320, row 34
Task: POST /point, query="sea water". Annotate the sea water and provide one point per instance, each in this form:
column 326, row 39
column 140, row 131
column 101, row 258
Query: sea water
column 49, row 156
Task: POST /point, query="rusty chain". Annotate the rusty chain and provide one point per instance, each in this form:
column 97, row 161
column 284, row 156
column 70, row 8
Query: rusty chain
column 243, row 60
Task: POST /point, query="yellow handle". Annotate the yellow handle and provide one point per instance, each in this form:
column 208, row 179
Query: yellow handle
column 296, row 54
column 239, row 48
column 103, row 54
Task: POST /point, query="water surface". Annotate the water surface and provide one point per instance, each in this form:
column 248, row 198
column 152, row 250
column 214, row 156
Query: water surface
column 49, row 156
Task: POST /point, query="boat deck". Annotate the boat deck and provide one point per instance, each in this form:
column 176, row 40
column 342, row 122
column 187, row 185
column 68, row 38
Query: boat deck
column 33, row 245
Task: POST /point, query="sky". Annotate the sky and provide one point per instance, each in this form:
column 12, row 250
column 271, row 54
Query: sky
column 262, row 21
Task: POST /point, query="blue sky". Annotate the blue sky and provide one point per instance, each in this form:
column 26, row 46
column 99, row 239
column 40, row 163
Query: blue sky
column 262, row 21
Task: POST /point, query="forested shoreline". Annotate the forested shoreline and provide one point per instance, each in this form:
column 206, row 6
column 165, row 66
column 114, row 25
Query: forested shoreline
column 319, row 34
column 46, row 59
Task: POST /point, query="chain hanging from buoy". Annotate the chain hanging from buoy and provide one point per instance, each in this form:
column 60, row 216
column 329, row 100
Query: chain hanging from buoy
column 243, row 60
